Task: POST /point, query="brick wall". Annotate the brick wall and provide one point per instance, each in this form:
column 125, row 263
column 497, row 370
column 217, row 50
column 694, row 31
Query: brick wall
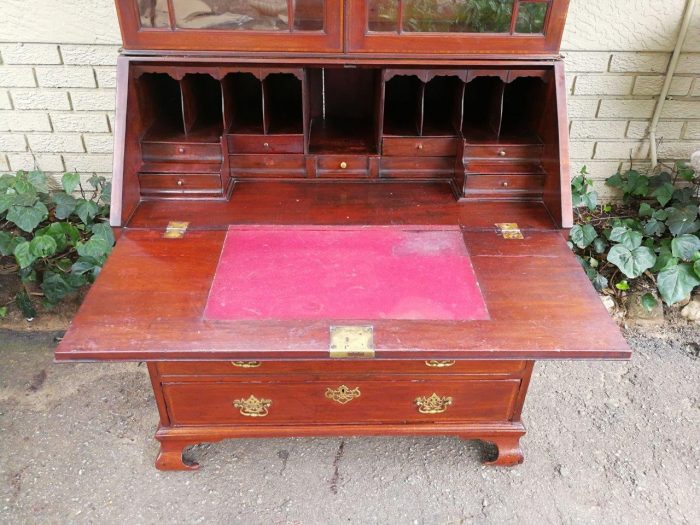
column 57, row 83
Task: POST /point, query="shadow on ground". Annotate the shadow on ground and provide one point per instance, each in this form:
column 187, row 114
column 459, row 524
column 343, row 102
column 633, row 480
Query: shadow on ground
column 614, row 442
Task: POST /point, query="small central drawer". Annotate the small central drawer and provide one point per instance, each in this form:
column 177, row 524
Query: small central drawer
column 343, row 401
column 420, row 146
column 183, row 152
column 179, row 183
column 266, row 143
column 343, row 162
column 243, row 166
column 504, row 151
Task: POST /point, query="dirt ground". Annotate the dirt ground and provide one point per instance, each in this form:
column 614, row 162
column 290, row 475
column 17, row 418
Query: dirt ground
column 608, row 442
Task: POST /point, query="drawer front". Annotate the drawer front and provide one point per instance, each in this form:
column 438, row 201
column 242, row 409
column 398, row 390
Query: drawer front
column 343, row 162
column 171, row 183
column 341, row 401
column 420, row 146
column 186, row 152
column 417, row 167
column 504, row 151
column 267, row 162
column 243, row 369
column 266, row 143
column 514, row 183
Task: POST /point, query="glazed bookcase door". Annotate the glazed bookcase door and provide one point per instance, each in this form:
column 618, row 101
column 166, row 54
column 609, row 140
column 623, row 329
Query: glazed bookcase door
column 232, row 25
column 456, row 27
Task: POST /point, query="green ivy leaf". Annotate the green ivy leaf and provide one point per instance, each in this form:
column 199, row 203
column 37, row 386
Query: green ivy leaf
column 9, row 242
column 3, row 312
column 685, row 172
column 682, row 220
column 583, row 236
column 696, row 268
column 70, row 182
column 600, row 245
column 65, row 204
column 622, row 286
column 86, row 210
column 645, row 210
column 27, row 218
column 632, row 262
column 55, row 287
column 660, row 215
column 102, row 230
column 683, row 195
column 676, row 283
column 42, row 246
column 636, row 184
column 629, row 238
column 24, row 303
column 684, row 246
column 664, row 193
column 39, row 181
column 6, row 201
column 106, row 194
column 664, row 260
column 654, row 228
column 94, row 247
column 23, row 187
column 648, row 301
column 24, row 255
column 615, row 181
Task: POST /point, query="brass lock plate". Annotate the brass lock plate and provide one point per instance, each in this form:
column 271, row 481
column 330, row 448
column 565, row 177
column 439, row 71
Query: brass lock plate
column 175, row 230
column 510, row 230
column 351, row 341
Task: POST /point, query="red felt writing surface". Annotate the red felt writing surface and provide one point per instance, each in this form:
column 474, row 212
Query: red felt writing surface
column 400, row 272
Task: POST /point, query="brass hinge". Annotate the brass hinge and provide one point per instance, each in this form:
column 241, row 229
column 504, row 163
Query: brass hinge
column 175, row 230
column 352, row 341
column 509, row 230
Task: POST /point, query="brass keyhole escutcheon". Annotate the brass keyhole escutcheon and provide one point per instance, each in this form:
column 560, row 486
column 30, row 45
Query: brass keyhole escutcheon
column 253, row 407
column 246, row 364
column 439, row 364
column 343, row 394
column 343, row 165
column 433, row 404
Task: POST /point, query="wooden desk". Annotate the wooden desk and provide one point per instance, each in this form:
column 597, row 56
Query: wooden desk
column 244, row 117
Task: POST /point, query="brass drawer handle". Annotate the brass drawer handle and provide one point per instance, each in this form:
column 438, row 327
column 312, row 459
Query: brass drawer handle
column 180, row 182
column 343, row 165
column 502, row 153
column 433, row 404
column 181, row 150
column 439, row 364
column 419, row 145
column 343, row 394
column 246, row 364
column 253, row 407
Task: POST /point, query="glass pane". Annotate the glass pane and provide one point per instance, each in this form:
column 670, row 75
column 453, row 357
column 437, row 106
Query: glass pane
column 308, row 15
column 382, row 15
column 458, row 16
column 255, row 15
column 531, row 18
column 154, row 13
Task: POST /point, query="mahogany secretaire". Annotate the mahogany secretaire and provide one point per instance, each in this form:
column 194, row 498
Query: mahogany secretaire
column 341, row 217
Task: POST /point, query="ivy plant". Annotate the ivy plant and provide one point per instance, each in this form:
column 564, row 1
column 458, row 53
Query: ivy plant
column 653, row 235
column 59, row 238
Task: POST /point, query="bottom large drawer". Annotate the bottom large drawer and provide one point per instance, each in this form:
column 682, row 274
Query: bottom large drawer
column 340, row 402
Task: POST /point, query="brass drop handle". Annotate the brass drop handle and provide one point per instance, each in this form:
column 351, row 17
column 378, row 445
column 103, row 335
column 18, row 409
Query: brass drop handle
column 419, row 145
column 502, row 153
column 433, row 404
column 180, row 182
column 343, row 165
column 439, row 364
column 266, row 144
column 246, row 364
column 253, row 407
column 505, row 184
column 181, row 150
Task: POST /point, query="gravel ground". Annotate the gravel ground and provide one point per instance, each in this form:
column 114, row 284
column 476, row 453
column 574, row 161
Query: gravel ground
column 608, row 442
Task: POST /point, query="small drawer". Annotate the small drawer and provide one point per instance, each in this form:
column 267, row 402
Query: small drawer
column 341, row 401
column 506, row 183
column 343, row 162
column 420, row 146
column 417, row 167
column 184, row 152
column 175, row 371
column 267, row 162
column 266, row 143
column 172, row 183
column 504, row 151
